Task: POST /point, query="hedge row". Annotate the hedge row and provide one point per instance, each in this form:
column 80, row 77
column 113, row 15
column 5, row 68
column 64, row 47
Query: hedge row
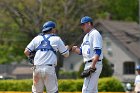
column 105, row 85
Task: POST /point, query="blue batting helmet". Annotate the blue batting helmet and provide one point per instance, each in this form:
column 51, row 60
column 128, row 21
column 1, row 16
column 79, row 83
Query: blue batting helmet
column 86, row 19
column 48, row 26
column 138, row 67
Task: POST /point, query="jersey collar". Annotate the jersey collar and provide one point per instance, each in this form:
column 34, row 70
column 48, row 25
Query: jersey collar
column 90, row 31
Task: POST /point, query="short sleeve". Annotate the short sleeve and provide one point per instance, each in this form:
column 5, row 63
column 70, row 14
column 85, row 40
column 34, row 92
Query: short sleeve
column 31, row 45
column 97, row 41
column 61, row 47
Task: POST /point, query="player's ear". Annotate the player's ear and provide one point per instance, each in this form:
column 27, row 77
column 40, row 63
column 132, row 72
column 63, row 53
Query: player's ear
column 53, row 31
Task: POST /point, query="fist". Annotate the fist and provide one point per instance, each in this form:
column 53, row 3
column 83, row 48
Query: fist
column 74, row 48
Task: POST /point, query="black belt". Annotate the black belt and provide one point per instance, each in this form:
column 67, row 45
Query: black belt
column 49, row 64
column 46, row 64
column 39, row 65
column 90, row 61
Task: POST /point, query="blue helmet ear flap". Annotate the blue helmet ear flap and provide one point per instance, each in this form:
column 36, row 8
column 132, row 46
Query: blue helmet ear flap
column 48, row 26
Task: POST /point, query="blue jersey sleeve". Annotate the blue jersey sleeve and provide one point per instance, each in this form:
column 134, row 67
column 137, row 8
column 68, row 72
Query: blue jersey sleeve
column 98, row 51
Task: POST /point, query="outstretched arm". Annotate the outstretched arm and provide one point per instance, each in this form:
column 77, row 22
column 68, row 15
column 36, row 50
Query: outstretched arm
column 67, row 52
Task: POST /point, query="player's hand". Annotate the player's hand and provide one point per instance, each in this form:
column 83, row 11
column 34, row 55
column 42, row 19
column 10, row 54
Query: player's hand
column 74, row 48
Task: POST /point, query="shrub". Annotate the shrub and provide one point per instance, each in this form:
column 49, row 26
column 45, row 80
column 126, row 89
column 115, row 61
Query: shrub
column 65, row 85
column 110, row 84
column 70, row 85
column 15, row 85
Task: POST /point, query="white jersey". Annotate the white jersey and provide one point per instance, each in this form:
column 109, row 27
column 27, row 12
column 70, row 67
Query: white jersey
column 47, row 57
column 91, row 41
column 137, row 83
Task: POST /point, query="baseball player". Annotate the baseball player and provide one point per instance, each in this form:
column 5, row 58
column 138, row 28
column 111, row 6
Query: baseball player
column 137, row 80
column 91, row 50
column 45, row 59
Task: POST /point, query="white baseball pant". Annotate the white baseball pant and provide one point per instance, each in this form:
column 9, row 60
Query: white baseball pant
column 91, row 83
column 44, row 75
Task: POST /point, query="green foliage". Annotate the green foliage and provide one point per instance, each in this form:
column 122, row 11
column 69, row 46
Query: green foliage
column 110, row 84
column 81, row 69
column 28, row 17
column 12, row 48
column 121, row 9
column 70, row 85
column 107, row 70
column 65, row 85
column 15, row 85
column 22, row 20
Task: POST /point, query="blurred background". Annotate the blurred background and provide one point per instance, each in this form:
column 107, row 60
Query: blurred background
column 116, row 20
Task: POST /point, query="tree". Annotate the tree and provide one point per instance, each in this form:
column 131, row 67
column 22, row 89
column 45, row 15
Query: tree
column 25, row 18
column 21, row 20
column 126, row 10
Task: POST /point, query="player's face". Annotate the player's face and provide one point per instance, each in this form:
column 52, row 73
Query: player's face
column 55, row 31
column 85, row 27
column 82, row 26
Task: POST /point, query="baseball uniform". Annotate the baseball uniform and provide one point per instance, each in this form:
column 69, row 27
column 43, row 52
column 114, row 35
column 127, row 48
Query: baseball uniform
column 45, row 62
column 91, row 41
column 137, row 83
